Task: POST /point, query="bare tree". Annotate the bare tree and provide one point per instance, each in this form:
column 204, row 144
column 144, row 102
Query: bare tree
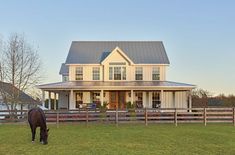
column 200, row 97
column 20, row 66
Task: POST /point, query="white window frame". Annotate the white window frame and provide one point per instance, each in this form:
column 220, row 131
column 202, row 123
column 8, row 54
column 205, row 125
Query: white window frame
column 123, row 72
column 156, row 99
column 96, row 73
column 79, row 71
column 156, row 73
column 139, row 70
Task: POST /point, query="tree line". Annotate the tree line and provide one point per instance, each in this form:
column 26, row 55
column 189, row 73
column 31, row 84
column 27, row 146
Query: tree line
column 204, row 98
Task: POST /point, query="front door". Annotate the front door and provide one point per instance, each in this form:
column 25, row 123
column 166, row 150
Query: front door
column 121, row 100
column 117, row 99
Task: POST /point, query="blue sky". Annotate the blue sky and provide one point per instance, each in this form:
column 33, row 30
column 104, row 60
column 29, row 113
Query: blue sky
column 199, row 35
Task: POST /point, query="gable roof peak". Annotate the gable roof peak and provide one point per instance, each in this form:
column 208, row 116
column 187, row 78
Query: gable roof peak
column 120, row 51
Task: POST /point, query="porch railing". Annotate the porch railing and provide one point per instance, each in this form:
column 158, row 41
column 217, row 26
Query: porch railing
column 144, row 115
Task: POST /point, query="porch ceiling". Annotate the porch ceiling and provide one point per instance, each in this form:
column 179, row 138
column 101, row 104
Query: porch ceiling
column 120, row 85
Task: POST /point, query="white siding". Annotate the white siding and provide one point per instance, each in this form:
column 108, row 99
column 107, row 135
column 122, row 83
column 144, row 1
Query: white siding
column 86, row 97
column 168, row 100
column 180, row 100
column 63, row 100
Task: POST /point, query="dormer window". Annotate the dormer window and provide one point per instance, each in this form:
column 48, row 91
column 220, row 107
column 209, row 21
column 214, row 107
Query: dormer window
column 79, row 73
column 156, row 73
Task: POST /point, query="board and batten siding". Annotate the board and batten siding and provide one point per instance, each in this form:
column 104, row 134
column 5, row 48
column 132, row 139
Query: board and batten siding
column 87, row 72
column 181, row 100
column 104, row 71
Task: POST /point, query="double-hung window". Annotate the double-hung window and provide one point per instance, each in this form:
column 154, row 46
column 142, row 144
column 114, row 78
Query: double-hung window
column 79, row 73
column 156, row 73
column 96, row 73
column 139, row 73
column 117, row 73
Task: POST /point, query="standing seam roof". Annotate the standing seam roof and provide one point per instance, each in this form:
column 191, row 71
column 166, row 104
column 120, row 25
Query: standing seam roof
column 140, row 52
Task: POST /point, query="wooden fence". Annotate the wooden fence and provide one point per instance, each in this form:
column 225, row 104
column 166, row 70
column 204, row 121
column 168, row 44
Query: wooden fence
column 146, row 116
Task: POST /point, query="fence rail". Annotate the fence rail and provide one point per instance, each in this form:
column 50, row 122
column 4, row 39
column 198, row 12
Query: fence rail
column 117, row 116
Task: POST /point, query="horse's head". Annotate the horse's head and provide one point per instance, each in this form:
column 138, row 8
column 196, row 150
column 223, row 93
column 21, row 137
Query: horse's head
column 44, row 136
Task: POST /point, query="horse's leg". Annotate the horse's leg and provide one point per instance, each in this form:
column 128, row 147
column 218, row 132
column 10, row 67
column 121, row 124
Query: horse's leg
column 40, row 135
column 33, row 133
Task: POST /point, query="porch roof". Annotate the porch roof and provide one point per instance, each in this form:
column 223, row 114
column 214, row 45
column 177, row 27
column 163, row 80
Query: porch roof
column 120, row 85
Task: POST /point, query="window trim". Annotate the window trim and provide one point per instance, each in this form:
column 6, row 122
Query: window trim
column 94, row 74
column 76, row 74
column 157, row 69
column 111, row 76
column 158, row 101
column 139, row 74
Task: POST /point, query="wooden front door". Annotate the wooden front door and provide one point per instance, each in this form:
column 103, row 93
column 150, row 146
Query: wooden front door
column 117, row 100
column 121, row 100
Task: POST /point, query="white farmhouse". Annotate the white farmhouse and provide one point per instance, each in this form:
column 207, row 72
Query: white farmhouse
column 117, row 73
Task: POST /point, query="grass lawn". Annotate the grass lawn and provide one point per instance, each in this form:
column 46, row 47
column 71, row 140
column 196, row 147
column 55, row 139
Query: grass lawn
column 126, row 139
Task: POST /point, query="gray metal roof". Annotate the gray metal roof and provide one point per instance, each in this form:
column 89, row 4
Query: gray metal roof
column 117, row 85
column 140, row 52
column 64, row 70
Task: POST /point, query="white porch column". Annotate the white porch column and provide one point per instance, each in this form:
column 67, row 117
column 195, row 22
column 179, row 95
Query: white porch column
column 54, row 100
column 71, row 100
column 102, row 97
column 162, row 98
column 43, row 98
column 132, row 97
column 49, row 101
column 190, row 100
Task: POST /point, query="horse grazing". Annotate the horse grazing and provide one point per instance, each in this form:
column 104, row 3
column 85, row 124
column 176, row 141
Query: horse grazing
column 37, row 118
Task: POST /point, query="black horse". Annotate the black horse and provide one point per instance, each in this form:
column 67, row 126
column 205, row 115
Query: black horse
column 37, row 118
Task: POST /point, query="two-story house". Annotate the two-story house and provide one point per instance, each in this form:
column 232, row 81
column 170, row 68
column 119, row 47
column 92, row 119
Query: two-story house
column 117, row 73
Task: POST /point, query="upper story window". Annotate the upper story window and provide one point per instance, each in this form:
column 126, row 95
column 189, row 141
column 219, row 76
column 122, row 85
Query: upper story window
column 79, row 73
column 156, row 73
column 139, row 73
column 96, row 73
column 117, row 72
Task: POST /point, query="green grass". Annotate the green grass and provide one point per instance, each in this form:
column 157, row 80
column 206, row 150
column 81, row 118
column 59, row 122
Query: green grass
column 125, row 139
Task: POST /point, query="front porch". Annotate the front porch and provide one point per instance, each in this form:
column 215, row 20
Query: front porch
column 121, row 95
column 112, row 99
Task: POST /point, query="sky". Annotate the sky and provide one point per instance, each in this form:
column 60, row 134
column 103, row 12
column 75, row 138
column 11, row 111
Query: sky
column 198, row 35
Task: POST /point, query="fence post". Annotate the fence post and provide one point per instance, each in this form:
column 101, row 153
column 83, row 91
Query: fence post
column 57, row 118
column 87, row 116
column 233, row 116
column 175, row 117
column 116, row 117
column 146, row 117
column 205, row 116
